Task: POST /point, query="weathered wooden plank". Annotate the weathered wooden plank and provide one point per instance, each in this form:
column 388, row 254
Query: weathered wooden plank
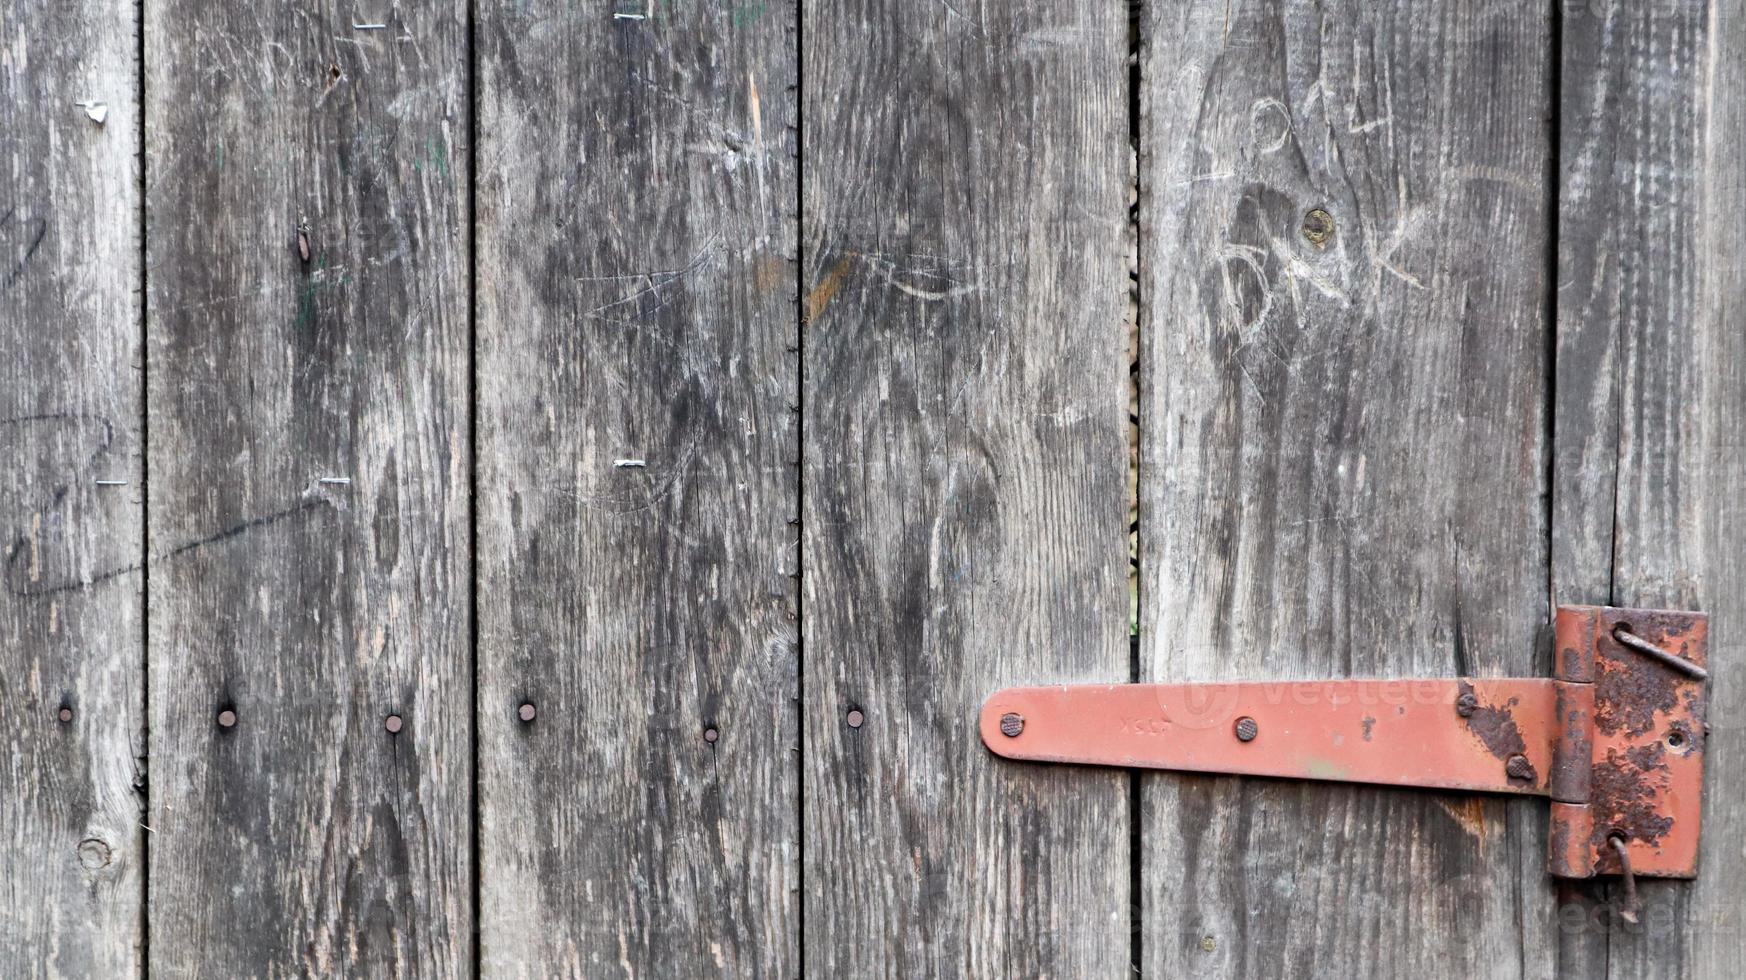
column 1344, row 458
column 307, row 241
column 964, row 211
column 70, row 539
column 637, row 492
column 1651, row 396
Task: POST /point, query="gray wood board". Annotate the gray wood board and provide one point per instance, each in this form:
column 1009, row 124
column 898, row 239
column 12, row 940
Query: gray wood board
column 965, row 219
column 637, row 490
column 307, row 242
column 71, row 856
column 1344, row 459
column 1651, row 401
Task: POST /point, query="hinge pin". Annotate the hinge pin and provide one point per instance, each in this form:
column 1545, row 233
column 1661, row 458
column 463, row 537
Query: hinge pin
column 1627, row 911
column 1653, row 652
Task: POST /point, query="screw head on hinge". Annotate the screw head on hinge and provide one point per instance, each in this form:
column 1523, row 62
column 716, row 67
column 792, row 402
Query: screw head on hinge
column 1518, row 767
column 1011, row 724
column 1466, row 705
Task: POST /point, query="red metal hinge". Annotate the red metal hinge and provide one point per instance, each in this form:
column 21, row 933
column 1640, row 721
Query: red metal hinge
column 1615, row 737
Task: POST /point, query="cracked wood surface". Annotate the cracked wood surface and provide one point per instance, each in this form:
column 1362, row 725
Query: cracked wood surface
column 1651, row 385
column 307, row 385
column 71, row 856
column 637, row 490
column 965, row 207
column 1346, row 471
column 1344, row 459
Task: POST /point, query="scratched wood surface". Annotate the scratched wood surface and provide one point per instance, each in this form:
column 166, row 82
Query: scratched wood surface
column 308, row 489
column 1344, row 459
column 965, row 216
column 1651, row 385
column 637, row 490
column 71, row 858
column 795, row 340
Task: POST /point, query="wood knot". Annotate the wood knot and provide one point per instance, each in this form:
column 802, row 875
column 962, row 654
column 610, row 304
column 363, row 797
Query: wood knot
column 93, row 854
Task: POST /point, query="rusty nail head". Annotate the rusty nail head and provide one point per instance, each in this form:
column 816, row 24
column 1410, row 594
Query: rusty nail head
column 1466, row 705
column 393, row 724
column 1247, row 729
column 1519, row 767
column 1011, row 724
column 710, row 735
column 227, row 718
column 1317, row 226
column 856, row 718
column 526, row 712
column 65, row 714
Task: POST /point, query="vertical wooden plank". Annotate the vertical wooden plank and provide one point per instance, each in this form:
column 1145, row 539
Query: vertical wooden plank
column 637, row 489
column 70, row 613
column 964, row 208
column 307, row 384
column 1651, row 376
column 1344, row 458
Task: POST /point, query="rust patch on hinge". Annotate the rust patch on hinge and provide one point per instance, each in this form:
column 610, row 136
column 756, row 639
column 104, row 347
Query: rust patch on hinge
column 1576, row 638
column 1633, row 689
column 1573, row 754
column 1646, row 782
column 1627, row 791
column 1559, row 843
column 1495, row 726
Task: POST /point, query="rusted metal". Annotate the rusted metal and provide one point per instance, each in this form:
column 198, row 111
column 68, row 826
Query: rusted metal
column 1634, row 642
column 1573, row 753
column 1466, row 704
column 1648, row 748
column 1569, row 853
column 1360, row 731
column 1628, row 910
column 1614, row 737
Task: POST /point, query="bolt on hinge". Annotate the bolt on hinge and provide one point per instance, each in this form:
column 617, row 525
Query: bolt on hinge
column 1615, row 737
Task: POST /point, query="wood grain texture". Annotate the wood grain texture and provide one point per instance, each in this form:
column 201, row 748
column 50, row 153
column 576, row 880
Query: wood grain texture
column 964, row 211
column 1651, row 389
column 1344, row 459
column 637, row 490
column 70, row 605
column 307, row 839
